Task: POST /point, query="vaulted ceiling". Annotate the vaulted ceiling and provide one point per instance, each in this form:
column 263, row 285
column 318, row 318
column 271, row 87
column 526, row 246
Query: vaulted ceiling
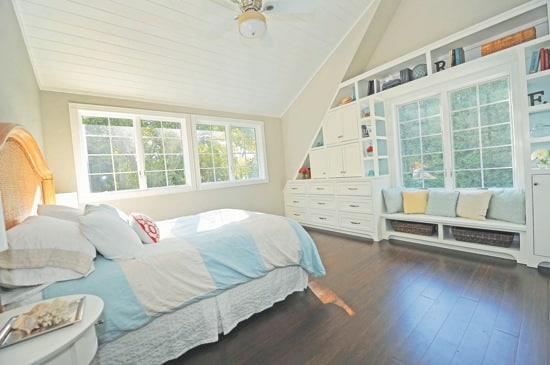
column 181, row 52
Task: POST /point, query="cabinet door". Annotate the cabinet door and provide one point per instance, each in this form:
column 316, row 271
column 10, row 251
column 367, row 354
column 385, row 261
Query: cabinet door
column 350, row 124
column 541, row 212
column 318, row 163
column 332, row 127
column 335, row 167
column 351, row 157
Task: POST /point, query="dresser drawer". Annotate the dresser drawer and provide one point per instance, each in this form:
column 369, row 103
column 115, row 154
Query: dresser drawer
column 353, row 188
column 321, row 188
column 296, row 188
column 356, row 222
column 319, row 202
column 300, row 215
column 323, row 218
column 295, row 200
column 357, row 205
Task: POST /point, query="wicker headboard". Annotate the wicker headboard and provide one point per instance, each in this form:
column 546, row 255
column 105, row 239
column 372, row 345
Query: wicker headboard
column 25, row 179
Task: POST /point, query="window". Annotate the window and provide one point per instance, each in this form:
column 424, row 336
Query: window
column 229, row 151
column 482, row 135
column 470, row 147
column 121, row 152
column 421, row 143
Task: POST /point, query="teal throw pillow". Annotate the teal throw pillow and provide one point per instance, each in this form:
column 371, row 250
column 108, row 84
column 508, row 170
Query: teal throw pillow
column 442, row 203
column 507, row 205
column 393, row 200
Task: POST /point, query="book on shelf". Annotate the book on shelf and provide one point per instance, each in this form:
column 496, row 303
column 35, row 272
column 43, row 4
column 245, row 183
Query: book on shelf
column 456, row 56
column 373, row 87
column 539, row 60
column 509, row 41
column 534, row 64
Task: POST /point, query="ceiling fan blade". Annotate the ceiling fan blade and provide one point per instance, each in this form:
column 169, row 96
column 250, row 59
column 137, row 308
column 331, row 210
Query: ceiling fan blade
column 289, row 6
column 229, row 4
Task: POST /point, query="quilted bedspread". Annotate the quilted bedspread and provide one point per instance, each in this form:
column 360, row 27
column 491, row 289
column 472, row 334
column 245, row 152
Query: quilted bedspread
column 198, row 256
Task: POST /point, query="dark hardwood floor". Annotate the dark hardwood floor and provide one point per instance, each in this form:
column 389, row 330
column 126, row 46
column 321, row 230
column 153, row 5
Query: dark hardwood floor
column 413, row 305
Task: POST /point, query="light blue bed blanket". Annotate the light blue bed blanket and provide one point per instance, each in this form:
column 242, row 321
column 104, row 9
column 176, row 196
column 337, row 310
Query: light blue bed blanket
column 198, row 256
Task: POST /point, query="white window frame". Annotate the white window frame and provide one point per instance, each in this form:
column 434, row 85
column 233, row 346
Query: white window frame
column 228, row 123
column 80, row 154
column 192, row 171
column 450, row 82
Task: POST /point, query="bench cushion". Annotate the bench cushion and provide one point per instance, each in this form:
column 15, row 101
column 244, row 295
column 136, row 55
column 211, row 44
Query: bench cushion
column 415, row 201
column 507, row 205
column 393, row 199
column 442, row 203
column 473, row 204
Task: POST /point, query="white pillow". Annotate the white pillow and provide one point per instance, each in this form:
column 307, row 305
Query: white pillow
column 60, row 211
column 110, row 235
column 108, row 208
column 45, row 242
column 28, row 277
column 473, row 204
column 146, row 228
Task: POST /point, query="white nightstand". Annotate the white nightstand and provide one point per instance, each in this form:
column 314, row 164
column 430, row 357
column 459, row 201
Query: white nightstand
column 74, row 344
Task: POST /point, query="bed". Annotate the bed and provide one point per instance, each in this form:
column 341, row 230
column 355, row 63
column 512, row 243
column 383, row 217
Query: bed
column 189, row 280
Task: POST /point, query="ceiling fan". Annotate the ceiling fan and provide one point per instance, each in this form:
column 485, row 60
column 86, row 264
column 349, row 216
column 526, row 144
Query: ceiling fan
column 252, row 22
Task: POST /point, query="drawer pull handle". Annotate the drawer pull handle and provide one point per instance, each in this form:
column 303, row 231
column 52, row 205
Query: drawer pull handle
column 340, row 136
column 322, row 218
column 320, row 203
column 294, row 188
column 354, row 206
column 320, row 188
column 353, row 188
column 295, row 201
column 352, row 222
column 297, row 215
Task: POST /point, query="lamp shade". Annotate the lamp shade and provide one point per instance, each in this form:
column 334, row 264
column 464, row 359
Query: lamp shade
column 3, row 236
column 252, row 24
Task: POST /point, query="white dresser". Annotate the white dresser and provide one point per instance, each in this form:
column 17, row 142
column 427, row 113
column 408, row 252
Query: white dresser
column 350, row 206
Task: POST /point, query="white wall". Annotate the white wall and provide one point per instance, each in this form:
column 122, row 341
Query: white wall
column 301, row 121
column 59, row 155
column 19, row 94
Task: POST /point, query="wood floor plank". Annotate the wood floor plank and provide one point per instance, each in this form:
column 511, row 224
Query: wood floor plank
column 501, row 349
column 533, row 343
column 413, row 305
column 474, row 343
column 442, row 349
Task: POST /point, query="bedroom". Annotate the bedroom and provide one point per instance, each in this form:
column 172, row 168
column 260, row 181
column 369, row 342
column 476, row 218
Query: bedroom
column 45, row 112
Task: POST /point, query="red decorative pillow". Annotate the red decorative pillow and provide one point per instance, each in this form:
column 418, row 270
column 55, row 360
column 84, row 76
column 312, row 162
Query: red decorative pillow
column 145, row 227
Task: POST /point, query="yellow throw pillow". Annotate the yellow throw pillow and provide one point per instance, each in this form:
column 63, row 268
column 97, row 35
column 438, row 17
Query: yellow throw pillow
column 473, row 204
column 415, row 201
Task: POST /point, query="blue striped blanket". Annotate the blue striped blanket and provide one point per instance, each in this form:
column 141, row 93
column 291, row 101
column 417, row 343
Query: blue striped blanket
column 198, row 256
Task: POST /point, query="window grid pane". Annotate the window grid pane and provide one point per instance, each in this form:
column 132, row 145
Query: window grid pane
column 482, row 136
column 111, row 157
column 421, row 143
column 163, row 153
column 245, row 157
column 212, row 149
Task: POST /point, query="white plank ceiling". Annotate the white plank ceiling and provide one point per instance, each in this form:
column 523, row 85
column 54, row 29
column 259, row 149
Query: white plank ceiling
column 180, row 52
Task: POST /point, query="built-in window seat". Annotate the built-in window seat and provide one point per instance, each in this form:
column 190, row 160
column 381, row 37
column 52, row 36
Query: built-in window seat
column 488, row 222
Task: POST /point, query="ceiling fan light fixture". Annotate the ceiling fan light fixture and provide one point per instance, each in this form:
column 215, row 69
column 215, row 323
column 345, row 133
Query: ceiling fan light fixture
column 252, row 24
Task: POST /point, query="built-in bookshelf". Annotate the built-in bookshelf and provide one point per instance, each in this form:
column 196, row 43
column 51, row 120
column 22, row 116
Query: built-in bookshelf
column 438, row 56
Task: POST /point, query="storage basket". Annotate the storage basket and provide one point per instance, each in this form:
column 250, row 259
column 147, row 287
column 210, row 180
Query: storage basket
column 425, row 229
column 483, row 236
